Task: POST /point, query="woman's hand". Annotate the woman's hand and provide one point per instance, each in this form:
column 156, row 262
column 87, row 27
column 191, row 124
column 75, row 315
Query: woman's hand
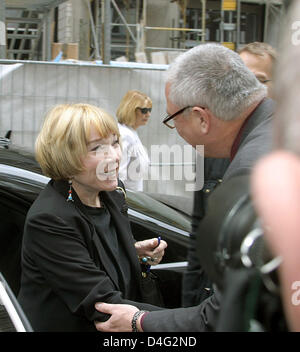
column 152, row 249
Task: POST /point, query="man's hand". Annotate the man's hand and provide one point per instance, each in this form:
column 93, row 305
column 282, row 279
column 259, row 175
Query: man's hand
column 120, row 320
column 151, row 249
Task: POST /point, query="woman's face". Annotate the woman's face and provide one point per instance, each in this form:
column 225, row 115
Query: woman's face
column 101, row 164
column 142, row 115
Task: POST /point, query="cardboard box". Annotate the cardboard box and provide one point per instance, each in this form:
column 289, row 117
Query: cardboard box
column 121, row 59
column 69, row 50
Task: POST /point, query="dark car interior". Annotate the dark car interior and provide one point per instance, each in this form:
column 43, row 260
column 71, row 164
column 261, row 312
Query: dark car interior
column 13, row 210
column 12, row 317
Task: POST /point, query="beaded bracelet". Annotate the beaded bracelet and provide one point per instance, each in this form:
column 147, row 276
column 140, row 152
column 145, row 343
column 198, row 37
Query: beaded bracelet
column 135, row 318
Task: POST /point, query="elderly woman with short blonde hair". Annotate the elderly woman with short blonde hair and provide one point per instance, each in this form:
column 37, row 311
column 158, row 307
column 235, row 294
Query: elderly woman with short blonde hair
column 78, row 248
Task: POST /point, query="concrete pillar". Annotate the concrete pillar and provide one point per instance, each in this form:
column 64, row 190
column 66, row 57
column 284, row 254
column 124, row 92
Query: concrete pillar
column 106, row 45
column 47, row 35
column 74, row 26
column 82, row 28
column 65, row 23
column 2, row 30
column 161, row 14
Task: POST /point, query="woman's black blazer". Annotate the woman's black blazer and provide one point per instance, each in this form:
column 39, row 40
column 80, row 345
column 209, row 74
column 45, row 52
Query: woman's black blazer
column 65, row 268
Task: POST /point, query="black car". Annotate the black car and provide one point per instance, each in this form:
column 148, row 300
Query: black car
column 12, row 317
column 21, row 180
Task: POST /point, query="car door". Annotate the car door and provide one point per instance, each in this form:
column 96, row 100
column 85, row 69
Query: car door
column 12, row 317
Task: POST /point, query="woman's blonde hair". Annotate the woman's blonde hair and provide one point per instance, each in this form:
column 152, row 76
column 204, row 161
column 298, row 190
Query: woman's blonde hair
column 63, row 139
column 132, row 100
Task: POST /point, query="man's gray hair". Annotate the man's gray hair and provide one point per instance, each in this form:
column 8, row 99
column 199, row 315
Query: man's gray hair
column 213, row 76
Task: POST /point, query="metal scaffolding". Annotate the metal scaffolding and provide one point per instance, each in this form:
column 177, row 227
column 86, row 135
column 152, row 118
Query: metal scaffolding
column 114, row 29
column 25, row 23
column 229, row 26
column 141, row 28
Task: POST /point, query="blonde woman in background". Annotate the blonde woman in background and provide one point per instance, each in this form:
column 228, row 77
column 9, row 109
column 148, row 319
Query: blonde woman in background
column 133, row 112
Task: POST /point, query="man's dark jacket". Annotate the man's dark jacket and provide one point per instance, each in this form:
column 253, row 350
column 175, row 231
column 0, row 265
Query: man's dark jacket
column 255, row 141
column 196, row 286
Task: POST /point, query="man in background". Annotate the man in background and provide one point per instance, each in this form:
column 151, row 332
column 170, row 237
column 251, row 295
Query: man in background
column 260, row 58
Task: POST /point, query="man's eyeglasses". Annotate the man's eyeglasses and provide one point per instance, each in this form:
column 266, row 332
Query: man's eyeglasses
column 169, row 119
column 263, row 80
column 145, row 110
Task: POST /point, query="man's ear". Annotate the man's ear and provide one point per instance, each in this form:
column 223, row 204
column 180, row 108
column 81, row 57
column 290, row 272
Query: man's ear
column 203, row 118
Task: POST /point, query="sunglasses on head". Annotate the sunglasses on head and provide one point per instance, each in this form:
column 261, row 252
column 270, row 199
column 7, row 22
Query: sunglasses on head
column 145, row 110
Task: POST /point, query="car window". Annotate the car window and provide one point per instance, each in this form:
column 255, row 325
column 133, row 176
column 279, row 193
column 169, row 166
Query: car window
column 149, row 206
